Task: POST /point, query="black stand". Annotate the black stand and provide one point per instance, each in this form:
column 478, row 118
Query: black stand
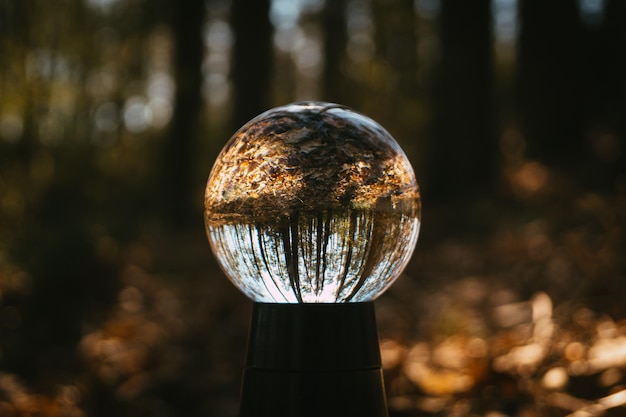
column 313, row 360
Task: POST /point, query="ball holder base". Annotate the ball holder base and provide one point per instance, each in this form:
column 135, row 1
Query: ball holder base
column 313, row 360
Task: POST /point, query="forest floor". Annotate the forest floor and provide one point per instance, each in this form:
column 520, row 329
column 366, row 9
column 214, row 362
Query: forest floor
column 523, row 313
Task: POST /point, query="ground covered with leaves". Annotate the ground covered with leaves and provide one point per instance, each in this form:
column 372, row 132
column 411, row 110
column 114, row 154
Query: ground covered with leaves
column 515, row 308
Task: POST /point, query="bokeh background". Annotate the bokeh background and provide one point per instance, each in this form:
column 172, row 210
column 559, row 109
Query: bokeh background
column 513, row 113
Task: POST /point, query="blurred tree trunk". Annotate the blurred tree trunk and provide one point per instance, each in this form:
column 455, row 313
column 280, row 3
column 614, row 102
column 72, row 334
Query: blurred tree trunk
column 550, row 84
column 252, row 59
column 610, row 145
column 616, row 28
column 464, row 151
column 177, row 178
column 396, row 42
column 334, row 87
column 16, row 24
column 396, row 98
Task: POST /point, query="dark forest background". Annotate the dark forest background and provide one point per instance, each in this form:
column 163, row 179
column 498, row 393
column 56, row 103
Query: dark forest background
column 513, row 113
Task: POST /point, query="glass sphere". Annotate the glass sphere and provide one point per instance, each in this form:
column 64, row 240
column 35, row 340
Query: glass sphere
column 312, row 203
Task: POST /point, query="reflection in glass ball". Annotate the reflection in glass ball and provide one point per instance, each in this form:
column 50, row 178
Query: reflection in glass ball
column 312, row 203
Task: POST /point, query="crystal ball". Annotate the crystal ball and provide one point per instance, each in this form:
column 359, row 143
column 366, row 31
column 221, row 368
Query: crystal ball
column 312, row 203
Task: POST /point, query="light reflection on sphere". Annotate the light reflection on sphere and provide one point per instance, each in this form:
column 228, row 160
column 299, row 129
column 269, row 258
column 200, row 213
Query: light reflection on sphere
column 312, row 203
